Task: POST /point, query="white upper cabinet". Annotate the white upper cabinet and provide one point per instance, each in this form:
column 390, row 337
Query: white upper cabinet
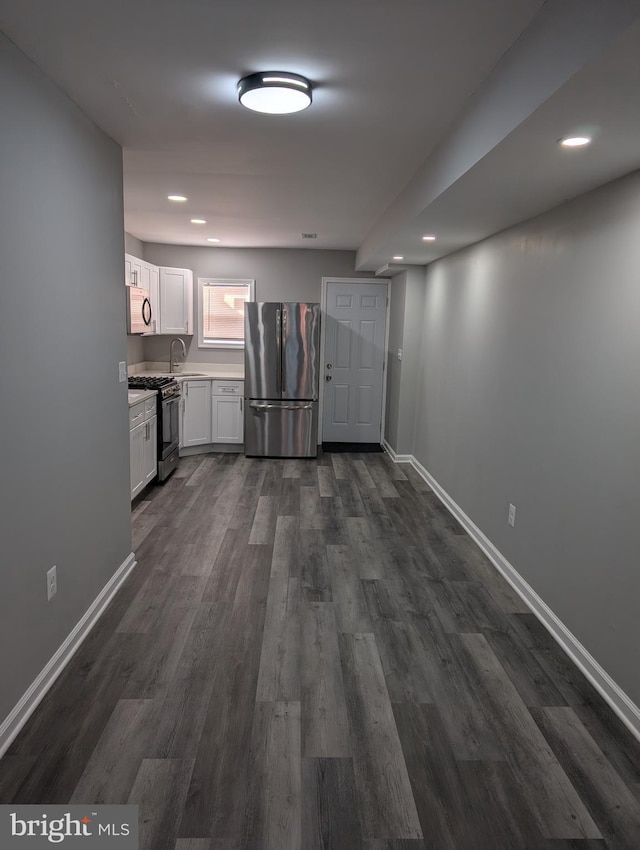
column 132, row 271
column 170, row 294
column 145, row 275
column 154, row 297
column 176, row 301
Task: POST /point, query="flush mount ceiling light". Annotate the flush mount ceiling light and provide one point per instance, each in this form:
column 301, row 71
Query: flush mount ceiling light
column 212, row 239
column 274, row 92
column 398, row 257
column 198, row 221
column 429, row 238
column 178, row 198
column 575, row 141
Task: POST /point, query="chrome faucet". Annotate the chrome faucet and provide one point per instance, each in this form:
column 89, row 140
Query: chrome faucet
column 184, row 352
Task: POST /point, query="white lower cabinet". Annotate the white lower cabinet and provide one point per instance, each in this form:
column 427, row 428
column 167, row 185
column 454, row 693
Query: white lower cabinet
column 226, row 420
column 212, row 412
column 227, row 412
column 150, row 453
column 136, row 458
column 143, row 446
column 196, row 413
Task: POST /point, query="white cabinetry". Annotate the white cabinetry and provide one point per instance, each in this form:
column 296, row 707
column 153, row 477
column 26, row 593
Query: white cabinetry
column 212, row 412
column 196, row 413
column 132, row 271
column 136, row 454
column 145, row 275
column 227, row 408
column 143, row 457
column 176, row 301
column 170, row 294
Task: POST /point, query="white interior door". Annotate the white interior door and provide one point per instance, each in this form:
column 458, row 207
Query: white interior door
column 353, row 368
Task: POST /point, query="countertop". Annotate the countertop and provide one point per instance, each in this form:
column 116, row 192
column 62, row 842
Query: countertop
column 136, row 396
column 187, row 371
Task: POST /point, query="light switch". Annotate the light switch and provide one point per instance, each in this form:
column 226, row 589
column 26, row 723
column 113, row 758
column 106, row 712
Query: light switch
column 122, row 371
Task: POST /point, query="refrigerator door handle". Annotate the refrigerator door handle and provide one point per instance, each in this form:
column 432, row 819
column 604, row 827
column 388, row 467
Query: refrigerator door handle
column 279, row 350
column 283, row 358
column 255, row 405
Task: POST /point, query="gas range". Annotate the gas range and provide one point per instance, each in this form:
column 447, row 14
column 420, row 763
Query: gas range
column 165, row 386
column 168, row 406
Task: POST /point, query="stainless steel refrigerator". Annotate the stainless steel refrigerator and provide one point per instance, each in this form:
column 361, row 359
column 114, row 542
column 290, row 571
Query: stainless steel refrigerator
column 281, row 368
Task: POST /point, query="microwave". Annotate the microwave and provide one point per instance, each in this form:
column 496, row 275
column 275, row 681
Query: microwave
column 139, row 315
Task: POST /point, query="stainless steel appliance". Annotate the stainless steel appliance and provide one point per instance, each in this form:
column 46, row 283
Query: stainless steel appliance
column 281, row 368
column 168, row 419
column 139, row 314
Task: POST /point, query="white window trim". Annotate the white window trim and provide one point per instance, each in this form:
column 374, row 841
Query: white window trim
column 230, row 281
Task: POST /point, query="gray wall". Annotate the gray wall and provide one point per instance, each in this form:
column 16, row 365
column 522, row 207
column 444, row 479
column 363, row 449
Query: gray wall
column 65, row 467
column 135, row 349
column 529, row 393
column 280, row 274
column 132, row 245
column 405, row 330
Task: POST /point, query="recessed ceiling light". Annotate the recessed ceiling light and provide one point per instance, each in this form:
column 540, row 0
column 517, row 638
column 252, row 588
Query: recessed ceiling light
column 429, row 238
column 212, row 239
column 198, row 221
column 274, row 92
column 179, row 198
column 575, row 141
column 398, row 257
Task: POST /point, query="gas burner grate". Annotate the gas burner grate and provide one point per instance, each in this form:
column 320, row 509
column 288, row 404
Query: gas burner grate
column 142, row 383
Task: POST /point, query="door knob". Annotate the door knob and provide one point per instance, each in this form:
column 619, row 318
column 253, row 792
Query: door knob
column 327, row 377
column 329, row 366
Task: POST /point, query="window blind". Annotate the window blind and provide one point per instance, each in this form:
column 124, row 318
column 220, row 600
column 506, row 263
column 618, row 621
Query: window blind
column 223, row 311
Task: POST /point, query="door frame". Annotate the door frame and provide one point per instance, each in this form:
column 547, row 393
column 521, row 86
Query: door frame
column 323, row 312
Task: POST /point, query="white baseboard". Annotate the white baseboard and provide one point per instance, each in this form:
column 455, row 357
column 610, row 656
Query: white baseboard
column 623, row 706
column 395, row 457
column 30, row 700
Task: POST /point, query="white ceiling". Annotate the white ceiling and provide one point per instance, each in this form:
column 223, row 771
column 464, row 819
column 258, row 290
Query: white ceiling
column 428, row 115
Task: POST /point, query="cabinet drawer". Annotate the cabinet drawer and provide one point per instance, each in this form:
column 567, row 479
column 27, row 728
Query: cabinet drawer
column 227, row 388
column 136, row 414
column 150, row 407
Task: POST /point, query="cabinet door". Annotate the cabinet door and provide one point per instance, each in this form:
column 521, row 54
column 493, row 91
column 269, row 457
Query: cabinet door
column 227, row 419
column 196, row 417
column 145, row 275
column 136, row 458
column 132, row 270
column 150, row 449
column 176, row 301
column 154, row 297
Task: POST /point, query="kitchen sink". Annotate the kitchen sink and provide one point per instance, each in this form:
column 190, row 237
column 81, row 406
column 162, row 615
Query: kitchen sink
column 181, row 374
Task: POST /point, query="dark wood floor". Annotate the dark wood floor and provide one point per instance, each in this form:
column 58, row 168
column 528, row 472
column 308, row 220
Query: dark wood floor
column 314, row 655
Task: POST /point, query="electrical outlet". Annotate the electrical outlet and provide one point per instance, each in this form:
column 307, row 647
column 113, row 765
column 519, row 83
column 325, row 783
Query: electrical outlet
column 52, row 583
column 399, row 354
column 511, row 519
column 122, row 371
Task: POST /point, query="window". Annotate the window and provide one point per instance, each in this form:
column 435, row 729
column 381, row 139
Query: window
column 221, row 311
